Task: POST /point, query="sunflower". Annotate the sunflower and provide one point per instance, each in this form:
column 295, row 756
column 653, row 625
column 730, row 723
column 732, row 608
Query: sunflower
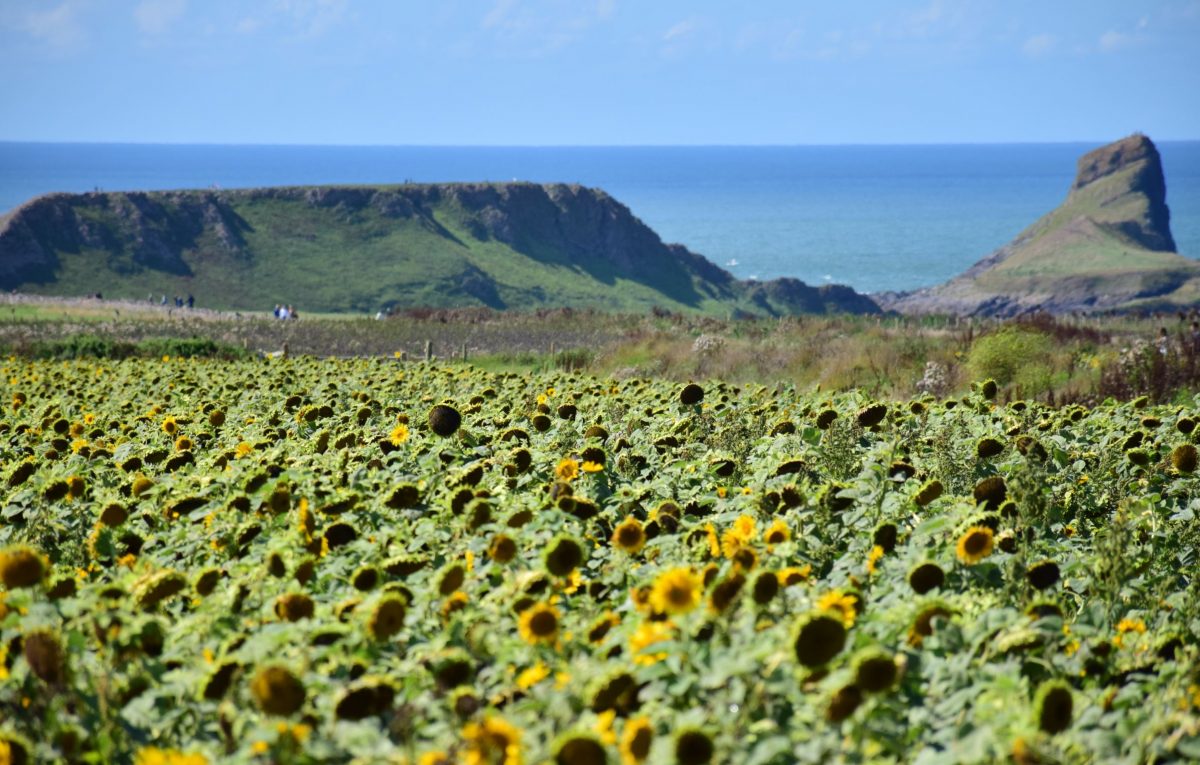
column 975, row 545
column 873, row 559
column 738, row 536
column 45, row 655
column 398, row 435
column 693, row 747
column 818, row 638
column 925, row 577
column 1184, row 458
column 277, row 691
column 563, row 556
column 875, row 671
column 169, row 425
column 777, row 533
column 843, row 702
column 183, row 444
column 676, row 591
column 502, row 548
column 567, row 469
column 21, row 566
column 629, row 536
column 840, row 604
column 1053, row 706
column 387, row 618
column 647, row 635
column 1043, row 574
column 539, row 623
column 580, row 749
column 636, row 740
column 493, row 741
column 794, row 575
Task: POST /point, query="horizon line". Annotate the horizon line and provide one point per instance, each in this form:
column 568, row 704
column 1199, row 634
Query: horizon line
column 1100, row 142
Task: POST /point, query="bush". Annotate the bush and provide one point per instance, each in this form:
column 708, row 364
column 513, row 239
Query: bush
column 1014, row 355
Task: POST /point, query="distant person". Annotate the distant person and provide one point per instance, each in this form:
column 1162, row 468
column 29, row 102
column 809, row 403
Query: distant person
column 292, row 313
column 163, row 301
column 284, row 313
column 1164, row 341
column 278, row 308
column 191, row 301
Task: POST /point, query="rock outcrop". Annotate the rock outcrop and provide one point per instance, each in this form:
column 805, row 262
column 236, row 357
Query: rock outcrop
column 1107, row 247
column 335, row 248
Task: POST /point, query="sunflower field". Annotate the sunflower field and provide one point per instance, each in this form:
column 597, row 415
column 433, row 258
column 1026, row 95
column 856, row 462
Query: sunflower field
column 304, row 561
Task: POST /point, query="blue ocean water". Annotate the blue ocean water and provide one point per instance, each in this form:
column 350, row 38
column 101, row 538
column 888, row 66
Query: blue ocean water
column 873, row 217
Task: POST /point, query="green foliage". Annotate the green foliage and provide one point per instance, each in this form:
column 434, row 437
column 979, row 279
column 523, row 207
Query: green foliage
column 278, row 559
column 1014, row 355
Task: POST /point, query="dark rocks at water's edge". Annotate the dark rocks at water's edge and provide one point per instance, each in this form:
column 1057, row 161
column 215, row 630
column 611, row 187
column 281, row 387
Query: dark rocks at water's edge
column 181, row 233
column 1108, row 247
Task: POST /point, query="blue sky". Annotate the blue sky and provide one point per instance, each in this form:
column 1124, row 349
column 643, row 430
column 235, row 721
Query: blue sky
column 607, row 72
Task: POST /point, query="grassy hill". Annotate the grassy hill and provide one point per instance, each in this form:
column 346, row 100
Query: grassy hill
column 1107, row 247
column 358, row 249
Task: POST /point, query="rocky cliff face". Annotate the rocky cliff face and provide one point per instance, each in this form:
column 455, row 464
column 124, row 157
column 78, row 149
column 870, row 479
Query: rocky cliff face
column 501, row 245
column 1107, row 247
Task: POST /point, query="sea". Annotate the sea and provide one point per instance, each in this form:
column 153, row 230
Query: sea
column 873, row 217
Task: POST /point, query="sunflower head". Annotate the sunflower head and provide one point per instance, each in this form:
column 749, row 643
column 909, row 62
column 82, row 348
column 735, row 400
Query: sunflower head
column 1042, row 574
column 930, row 491
column 636, row 740
column 294, row 606
column 387, row 618
column 502, row 548
column 975, row 544
column 451, row 578
column 1184, row 458
column 629, row 536
column 875, row 670
column 444, row 420
column 825, row 418
column 1053, row 706
column 369, row 697
column 925, row 577
column 45, row 655
column 991, row 491
column 21, row 566
column 676, row 591
column 818, row 638
column 725, row 593
column 277, row 691
column 843, row 702
column 870, row 416
column 615, row 692
column 563, row 556
column 691, row 394
column 580, row 748
column 539, row 623
column 694, row 746
column 766, row 587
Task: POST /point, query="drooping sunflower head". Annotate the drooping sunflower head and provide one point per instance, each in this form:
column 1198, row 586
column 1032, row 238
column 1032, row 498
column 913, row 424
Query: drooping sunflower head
column 1184, row 458
column 930, row 491
column 875, row 670
column 843, row 702
column 818, row 638
column 580, row 748
column 991, row 491
column 636, row 740
column 277, row 691
column 870, row 416
column 691, row 394
column 563, row 556
column 21, row 566
column 502, row 548
column 444, row 420
column 45, row 655
column 387, row 618
column 1043, row 574
column 694, row 746
column 294, row 606
column 925, row 577
column 1053, row 706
